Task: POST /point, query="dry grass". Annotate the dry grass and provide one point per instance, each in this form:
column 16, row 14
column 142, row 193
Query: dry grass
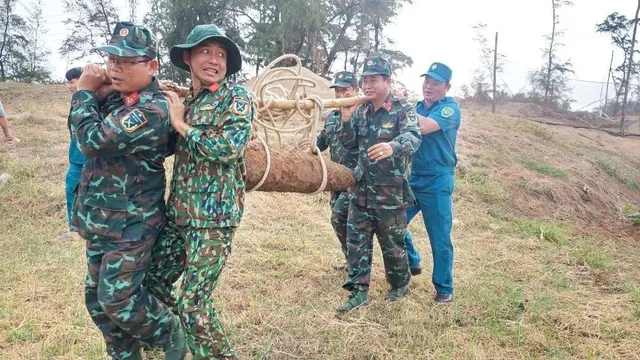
column 529, row 282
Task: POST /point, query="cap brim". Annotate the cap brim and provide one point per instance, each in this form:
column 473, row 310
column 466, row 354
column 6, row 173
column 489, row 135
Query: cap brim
column 435, row 76
column 368, row 73
column 342, row 85
column 234, row 59
column 120, row 51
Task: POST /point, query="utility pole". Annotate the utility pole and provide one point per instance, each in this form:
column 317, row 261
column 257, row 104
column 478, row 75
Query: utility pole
column 606, row 93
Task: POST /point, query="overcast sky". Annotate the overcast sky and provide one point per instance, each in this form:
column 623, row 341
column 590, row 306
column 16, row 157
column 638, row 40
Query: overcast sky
column 442, row 31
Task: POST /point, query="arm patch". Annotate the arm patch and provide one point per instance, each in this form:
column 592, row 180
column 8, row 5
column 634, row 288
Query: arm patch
column 447, row 112
column 133, row 120
column 240, row 106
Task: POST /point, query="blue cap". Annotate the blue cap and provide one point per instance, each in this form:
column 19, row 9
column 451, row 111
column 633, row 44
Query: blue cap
column 439, row 71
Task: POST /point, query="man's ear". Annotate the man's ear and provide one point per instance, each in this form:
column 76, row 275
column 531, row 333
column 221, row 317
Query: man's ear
column 186, row 57
column 154, row 65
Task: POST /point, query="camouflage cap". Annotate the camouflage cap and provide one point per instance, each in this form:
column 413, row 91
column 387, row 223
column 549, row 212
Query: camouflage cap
column 376, row 66
column 199, row 34
column 131, row 40
column 344, row 79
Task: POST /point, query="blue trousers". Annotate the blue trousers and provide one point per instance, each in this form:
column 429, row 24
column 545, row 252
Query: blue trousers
column 71, row 181
column 433, row 195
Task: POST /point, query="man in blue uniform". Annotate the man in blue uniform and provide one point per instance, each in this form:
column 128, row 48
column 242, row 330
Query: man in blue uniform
column 76, row 157
column 432, row 177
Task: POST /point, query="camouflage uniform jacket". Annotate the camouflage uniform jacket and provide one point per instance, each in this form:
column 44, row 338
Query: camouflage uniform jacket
column 125, row 141
column 383, row 184
column 329, row 137
column 208, row 184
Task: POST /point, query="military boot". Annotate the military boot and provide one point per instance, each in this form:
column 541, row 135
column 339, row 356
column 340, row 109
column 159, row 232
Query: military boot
column 397, row 293
column 357, row 299
column 176, row 348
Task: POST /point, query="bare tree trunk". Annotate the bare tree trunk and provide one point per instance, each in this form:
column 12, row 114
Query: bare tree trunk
column 5, row 36
column 257, row 67
column 377, row 34
column 355, row 62
column 279, row 42
column 553, row 35
column 346, row 59
column 335, row 49
column 106, row 17
column 38, row 26
column 495, row 75
column 628, row 76
column 314, row 52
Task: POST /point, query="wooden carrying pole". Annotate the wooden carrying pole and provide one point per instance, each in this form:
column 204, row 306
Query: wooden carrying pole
column 286, row 104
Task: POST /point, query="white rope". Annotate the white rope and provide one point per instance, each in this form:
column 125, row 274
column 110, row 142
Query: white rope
column 276, row 120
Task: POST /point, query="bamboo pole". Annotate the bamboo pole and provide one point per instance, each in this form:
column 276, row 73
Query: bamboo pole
column 286, row 104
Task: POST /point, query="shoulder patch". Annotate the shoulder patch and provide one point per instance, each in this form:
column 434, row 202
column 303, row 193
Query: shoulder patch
column 240, row 106
column 447, row 112
column 412, row 117
column 133, row 120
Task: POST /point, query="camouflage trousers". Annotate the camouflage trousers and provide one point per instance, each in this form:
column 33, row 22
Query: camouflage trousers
column 339, row 213
column 118, row 303
column 201, row 254
column 389, row 226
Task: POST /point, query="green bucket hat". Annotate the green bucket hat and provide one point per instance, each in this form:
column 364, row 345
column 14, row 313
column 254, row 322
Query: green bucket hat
column 344, row 79
column 131, row 40
column 199, row 34
column 376, row 66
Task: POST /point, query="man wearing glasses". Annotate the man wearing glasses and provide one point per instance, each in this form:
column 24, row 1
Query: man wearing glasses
column 120, row 206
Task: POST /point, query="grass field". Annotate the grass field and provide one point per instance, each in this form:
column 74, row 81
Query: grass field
column 543, row 267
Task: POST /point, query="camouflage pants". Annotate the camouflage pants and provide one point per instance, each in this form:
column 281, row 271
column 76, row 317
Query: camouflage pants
column 202, row 254
column 339, row 212
column 124, row 311
column 390, row 227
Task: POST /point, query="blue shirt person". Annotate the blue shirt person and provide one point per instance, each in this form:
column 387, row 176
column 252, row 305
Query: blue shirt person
column 76, row 158
column 432, row 177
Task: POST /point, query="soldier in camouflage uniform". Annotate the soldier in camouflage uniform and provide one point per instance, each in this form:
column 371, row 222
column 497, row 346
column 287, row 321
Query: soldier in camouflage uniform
column 345, row 85
column 120, row 207
column 386, row 133
column 206, row 202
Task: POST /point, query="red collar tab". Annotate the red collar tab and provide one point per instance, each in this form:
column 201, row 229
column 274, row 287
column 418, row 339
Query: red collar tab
column 131, row 98
column 387, row 105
